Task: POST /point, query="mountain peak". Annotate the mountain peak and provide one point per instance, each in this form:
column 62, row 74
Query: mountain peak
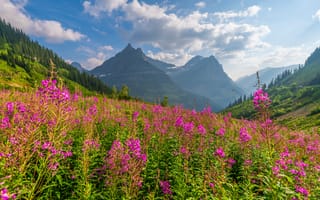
column 128, row 48
column 132, row 51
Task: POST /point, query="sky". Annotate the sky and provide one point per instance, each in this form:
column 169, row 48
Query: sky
column 244, row 35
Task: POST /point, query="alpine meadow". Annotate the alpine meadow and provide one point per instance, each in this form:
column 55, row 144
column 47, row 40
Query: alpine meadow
column 126, row 123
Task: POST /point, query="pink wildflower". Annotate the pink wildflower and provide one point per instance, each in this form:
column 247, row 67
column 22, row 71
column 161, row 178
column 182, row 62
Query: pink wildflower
column 261, row 99
column 302, row 191
column 220, row 153
column 244, row 135
column 165, row 187
column 221, row 132
column 202, row 130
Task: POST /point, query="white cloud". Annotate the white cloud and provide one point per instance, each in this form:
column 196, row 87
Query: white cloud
column 51, row 30
column 100, row 6
column 179, row 37
column 200, row 4
column 250, row 12
column 95, row 57
column 106, row 48
column 95, row 61
column 182, row 58
column 248, row 62
column 317, row 15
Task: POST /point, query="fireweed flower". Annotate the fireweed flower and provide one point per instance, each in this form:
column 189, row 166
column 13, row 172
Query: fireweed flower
column 179, row 122
column 135, row 115
column 10, row 108
column 220, row 153
column 302, row 191
column 244, row 135
column 5, row 123
column 4, row 195
column 275, row 170
column 202, row 130
column 231, row 162
column 165, row 187
column 261, row 99
column 221, row 132
column 188, row 127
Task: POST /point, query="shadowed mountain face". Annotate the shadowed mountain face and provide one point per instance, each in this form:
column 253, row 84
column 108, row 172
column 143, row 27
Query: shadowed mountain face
column 131, row 67
column 205, row 76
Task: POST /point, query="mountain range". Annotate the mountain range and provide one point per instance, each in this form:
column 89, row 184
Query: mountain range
column 200, row 80
column 131, row 67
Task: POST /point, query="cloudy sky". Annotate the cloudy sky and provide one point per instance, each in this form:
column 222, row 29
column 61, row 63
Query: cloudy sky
column 244, row 35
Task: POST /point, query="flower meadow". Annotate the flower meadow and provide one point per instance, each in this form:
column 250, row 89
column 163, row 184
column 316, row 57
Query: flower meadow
column 58, row 145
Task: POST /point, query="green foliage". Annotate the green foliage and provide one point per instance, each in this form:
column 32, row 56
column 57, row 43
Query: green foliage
column 18, row 50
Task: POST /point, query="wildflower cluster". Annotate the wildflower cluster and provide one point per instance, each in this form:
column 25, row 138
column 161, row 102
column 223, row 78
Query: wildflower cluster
column 50, row 91
column 126, row 159
column 165, row 187
column 261, row 99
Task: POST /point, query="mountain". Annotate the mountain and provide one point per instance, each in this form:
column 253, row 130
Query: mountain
column 309, row 74
column 295, row 97
column 248, row 83
column 78, row 66
column 205, row 76
column 166, row 67
column 132, row 68
column 24, row 63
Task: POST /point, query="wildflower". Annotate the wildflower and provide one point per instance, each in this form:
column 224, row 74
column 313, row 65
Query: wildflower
column 46, row 145
column 135, row 116
column 231, row 162
column 179, row 122
column 53, row 166
column 21, row 107
column 5, row 123
column 134, row 147
column 183, row 150
column 202, row 130
column 165, row 187
column 302, row 191
column 211, row 185
column 220, row 153
column 275, row 170
column 4, row 195
column 261, row 99
column 125, row 163
column 188, row 127
column 301, row 164
column 244, row 135
column 10, row 108
column 221, row 132
column 248, row 162
column 206, row 110
column 93, row 110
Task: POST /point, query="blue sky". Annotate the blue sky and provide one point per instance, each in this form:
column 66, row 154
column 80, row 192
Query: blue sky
column 244, row 35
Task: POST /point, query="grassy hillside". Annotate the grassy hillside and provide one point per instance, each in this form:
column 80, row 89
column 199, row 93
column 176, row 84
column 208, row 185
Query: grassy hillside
column 295, row 96
column 294, row 106
column 24, row 63
column 55, row 145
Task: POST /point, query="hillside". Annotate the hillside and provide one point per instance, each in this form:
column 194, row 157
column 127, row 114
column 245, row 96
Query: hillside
column 130, row 67
column 310, row 74
column 24, row 63
column 248, row 83
column 205, row 76
column 56, row 146
column 295, row 97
